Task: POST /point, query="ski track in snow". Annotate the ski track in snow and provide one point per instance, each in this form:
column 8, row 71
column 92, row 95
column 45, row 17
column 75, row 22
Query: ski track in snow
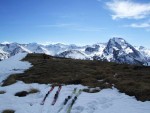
column 105, row 101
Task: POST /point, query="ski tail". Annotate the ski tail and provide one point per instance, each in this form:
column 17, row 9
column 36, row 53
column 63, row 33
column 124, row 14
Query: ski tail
column 73, row 101
column 56, row 95
column 52, row 87
column 67, row 99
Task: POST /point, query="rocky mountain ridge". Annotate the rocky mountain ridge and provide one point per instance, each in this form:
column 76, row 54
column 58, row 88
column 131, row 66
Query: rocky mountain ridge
column 116, row 50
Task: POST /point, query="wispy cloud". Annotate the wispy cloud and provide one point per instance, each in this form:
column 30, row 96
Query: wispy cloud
column 140, row 25
column 144, row 25
column 128, row 9
column 76, row 27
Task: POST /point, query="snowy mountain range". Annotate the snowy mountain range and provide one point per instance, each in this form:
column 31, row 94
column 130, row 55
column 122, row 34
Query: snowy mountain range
column 116, row 50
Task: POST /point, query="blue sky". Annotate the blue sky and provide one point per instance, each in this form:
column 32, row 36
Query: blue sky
column 78, row 22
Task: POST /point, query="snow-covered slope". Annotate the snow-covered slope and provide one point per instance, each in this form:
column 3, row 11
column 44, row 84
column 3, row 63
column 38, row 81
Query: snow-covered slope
column 73, row 54
column 3, row 55
column 116, row 50
column 95, row 50
column 36, row 48
column 13, row 65
column 144, row 51
column 14, row 48
column 105, row 101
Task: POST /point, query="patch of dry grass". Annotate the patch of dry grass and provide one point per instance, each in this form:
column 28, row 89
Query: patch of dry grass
column 33, row 90
column 2, row 92
column 25, row 93
column 130, row 79
column 8, row 111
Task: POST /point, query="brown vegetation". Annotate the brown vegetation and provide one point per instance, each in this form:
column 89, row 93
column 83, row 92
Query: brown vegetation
column 2, row 92
column 25, row 93
column 8, row 111
column 131, row 79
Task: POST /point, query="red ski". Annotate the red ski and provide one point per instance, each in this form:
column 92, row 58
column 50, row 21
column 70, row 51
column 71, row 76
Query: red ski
column 42, row 103
column 56, row 95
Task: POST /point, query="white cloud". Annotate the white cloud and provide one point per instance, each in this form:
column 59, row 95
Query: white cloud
column 128, row 9
column 141, row 25
column 144, row 25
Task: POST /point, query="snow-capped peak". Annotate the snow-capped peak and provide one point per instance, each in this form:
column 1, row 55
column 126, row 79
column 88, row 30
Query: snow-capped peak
column 116, row 50
column 118, row 40
column 75, row 54
column 5, row 43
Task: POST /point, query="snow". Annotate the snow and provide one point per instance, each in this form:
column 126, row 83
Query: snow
column 114, row 48
column 105, row 101
column 118, row 40
column 95, row 53
column 46, row 51
column 75, row 55
column 13, row 65
column 128, row 50
column 118, row 44
column 25, row 49
column 3, row 54
column 144, row 51
column 5, row 42
column 108, row 57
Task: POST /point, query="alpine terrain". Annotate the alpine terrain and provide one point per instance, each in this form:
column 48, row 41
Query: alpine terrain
column 100, row 78
column 115, row 50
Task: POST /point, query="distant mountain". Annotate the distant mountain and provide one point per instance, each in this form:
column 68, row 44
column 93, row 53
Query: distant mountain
column 116, row 50
column 75, row 54
column 144, row 51
column 14, row 48
column 120, row 51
